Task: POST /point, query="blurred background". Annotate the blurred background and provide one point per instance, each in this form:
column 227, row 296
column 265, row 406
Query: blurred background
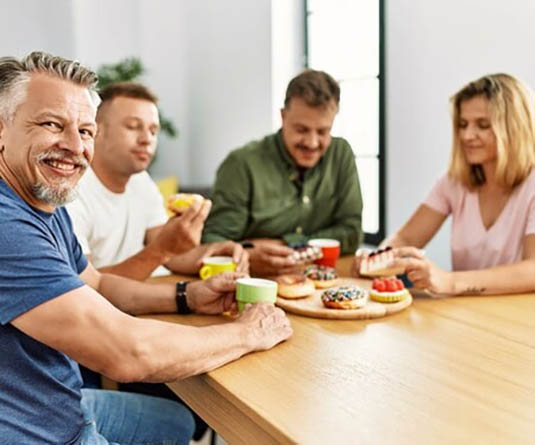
column 220, row 68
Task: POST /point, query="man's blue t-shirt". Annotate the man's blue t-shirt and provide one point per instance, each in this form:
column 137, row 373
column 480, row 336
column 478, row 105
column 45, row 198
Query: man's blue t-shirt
column 40, row 259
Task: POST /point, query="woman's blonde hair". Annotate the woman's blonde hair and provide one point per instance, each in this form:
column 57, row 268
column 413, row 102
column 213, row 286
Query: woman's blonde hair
column 512, row 119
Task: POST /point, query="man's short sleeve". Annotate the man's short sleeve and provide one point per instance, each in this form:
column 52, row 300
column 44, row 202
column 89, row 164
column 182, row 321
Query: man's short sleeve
column 37, row 265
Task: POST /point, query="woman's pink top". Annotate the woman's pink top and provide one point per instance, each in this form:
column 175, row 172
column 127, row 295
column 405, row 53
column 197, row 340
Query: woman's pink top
column 474, row 247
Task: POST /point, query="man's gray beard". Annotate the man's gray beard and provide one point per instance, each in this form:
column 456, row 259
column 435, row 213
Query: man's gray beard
column 52, row 196
column 59, row 195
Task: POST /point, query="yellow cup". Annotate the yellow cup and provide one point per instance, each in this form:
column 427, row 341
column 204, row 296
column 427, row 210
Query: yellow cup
column 216, row 264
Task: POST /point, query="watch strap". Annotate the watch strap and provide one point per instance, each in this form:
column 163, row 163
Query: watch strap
column 181, row 302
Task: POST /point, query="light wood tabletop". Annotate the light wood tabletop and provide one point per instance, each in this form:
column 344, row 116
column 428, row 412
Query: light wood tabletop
column 443, row 371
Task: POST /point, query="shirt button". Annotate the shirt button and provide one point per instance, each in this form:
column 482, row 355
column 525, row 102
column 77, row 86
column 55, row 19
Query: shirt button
column 306, row 200
column 299, row 230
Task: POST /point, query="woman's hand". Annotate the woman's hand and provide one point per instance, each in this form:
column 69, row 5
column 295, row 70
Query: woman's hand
column 423, row 273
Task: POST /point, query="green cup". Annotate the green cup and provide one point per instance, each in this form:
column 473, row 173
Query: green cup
column 254, row 290
column 216, row 264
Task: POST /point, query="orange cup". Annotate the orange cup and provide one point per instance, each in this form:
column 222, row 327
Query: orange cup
column 330, row 249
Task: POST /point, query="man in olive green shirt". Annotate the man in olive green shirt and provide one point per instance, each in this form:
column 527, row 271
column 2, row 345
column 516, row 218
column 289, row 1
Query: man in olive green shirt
column 296, row 184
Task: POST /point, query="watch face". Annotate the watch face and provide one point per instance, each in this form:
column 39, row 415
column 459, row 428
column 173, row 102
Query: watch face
column 181, row 286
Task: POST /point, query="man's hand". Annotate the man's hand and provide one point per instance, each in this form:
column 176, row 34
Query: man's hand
column 215, row 295
column 422, row 272
column 183, row 232
column 265, row 326
column 271, row 258
column 229, row 248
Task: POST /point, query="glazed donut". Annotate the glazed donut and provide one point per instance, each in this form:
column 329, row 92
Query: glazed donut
column 345, row 297
column 294, row 286
column 322, row 276
column 179, row 202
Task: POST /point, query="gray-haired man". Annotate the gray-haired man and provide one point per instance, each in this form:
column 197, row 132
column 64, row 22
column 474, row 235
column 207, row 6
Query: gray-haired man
column 55, row 308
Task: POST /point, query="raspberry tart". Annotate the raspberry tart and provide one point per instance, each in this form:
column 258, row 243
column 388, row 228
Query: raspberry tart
column 388, row 290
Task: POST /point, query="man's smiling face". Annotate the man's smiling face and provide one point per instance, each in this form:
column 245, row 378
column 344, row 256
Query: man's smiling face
column 48, row 144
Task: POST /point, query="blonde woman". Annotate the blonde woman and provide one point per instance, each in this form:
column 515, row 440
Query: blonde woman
column 489, row 190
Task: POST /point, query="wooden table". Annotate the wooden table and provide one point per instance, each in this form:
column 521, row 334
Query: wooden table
column 444, row 371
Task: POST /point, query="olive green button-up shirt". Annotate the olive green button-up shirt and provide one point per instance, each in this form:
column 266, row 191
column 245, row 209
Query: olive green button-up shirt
column 258, row 193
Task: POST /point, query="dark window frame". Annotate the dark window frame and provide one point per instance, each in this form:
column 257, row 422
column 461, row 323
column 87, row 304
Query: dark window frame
column 377, row 237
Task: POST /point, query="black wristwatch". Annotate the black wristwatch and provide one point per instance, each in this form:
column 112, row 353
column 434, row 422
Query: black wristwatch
column 181, row 302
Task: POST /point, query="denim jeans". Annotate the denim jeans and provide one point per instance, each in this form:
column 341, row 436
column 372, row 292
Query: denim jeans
column 113, row 417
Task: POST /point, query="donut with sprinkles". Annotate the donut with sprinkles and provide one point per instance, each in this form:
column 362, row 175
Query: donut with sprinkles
column 344, row 297
column 322, row 276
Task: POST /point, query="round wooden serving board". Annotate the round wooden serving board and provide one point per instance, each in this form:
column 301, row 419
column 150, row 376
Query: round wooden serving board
column 313, row 307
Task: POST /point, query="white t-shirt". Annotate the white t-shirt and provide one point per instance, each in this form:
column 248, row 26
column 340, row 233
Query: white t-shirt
column 111, row 226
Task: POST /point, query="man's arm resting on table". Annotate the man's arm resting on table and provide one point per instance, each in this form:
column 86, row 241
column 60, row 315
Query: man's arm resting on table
column 132, row 297
column 137, row 298
column 84, row 325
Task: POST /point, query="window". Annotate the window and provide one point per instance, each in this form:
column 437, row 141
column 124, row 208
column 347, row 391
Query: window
column 345, row 38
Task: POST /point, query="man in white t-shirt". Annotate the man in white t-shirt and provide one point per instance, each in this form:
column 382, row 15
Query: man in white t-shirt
column 119, row 216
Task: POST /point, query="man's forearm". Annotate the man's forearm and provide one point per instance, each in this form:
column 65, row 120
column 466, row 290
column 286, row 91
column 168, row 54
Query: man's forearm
column 139, row 266
column 137, row 298
column 89, row 329
column 176, row 352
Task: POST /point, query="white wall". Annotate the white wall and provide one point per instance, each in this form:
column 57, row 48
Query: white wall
column 229, row 80
column 29, row 25
column 164, row 49
column 287, row 50
column 434, row 48
column 107, row 31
